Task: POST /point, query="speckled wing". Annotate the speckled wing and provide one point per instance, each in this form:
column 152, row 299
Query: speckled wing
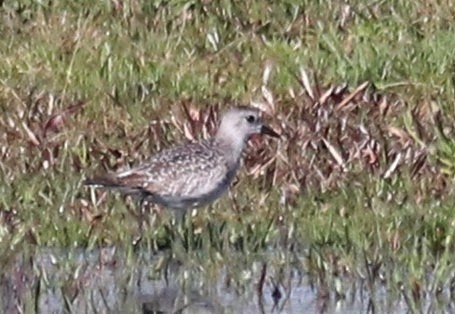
column 180, row 176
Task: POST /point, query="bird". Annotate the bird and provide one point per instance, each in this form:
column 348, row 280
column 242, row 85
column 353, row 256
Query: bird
column 194, row 174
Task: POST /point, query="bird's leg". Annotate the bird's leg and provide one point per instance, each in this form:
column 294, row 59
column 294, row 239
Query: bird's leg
column 178, row 216
column 140, row 219
column 189, row 232
column 184, row 220
column 180, row 228
column 178, row 220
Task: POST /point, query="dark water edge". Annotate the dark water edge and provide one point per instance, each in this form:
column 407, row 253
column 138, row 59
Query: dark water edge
column 111, row 281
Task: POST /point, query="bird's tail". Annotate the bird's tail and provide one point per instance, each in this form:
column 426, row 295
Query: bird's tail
column 112, row 182
column 103, row 181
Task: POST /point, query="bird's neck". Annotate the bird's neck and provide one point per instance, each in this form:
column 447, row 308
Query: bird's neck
column 231, row 147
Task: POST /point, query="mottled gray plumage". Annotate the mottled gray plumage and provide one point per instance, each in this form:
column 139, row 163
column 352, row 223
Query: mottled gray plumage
column 195, row 174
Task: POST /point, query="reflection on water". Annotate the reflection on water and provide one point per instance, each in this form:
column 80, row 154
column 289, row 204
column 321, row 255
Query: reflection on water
column 54, row 281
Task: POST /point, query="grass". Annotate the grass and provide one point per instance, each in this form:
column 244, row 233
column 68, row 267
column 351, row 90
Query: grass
column 359, row 189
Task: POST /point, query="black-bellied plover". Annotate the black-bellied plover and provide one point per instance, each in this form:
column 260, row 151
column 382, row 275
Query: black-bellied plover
column 194, row 174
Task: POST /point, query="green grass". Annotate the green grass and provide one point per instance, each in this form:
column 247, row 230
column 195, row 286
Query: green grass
column 132, row 65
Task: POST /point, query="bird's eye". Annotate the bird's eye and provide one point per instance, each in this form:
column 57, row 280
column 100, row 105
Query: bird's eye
column 250, row 119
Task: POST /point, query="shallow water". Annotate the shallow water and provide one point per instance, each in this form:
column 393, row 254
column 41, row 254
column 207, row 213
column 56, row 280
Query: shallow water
column 55, row 281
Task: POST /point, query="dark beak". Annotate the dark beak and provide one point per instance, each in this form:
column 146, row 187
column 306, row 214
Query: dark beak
column 268, row 131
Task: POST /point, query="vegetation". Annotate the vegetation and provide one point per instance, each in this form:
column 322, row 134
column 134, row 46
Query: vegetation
column 359, row 187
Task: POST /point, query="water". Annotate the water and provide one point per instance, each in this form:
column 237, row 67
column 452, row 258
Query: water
column 111, row 281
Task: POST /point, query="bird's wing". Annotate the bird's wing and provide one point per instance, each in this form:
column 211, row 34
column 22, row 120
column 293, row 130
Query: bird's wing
column 184, row 171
